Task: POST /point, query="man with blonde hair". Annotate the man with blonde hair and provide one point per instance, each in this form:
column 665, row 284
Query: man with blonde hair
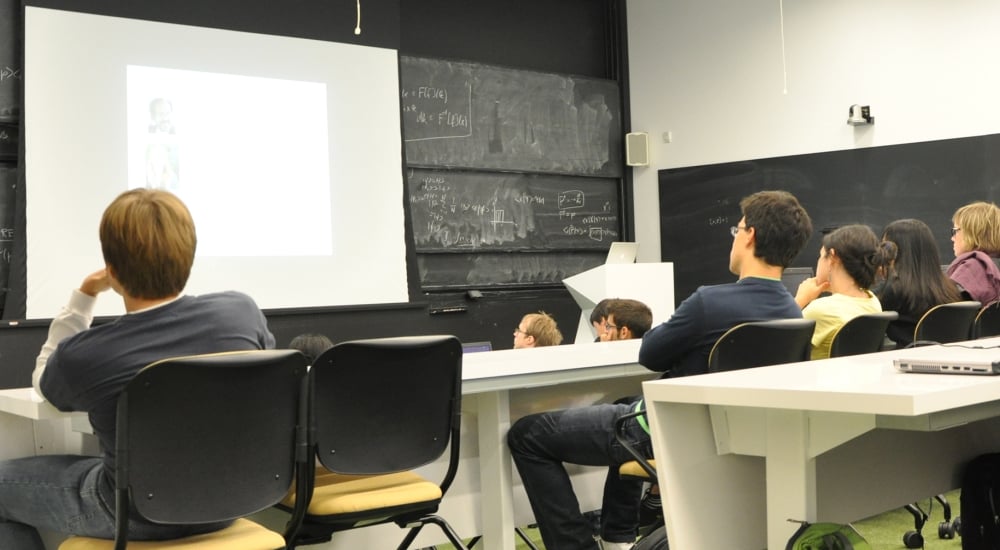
column 148, row 241
column 537, row 330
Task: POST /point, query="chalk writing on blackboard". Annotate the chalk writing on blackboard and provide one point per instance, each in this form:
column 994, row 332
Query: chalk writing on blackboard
column 504, row 269
column 453, row 210
column 431, row 113
column 8, row 73
column 468, row 115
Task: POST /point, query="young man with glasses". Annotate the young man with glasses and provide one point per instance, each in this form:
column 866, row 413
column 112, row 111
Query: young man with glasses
column 766, row 240
column 772, row 231
column 537, row 330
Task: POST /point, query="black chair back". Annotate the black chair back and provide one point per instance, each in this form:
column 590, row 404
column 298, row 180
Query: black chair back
column 987, row 321
column 386, row 405
column 208, row 438
column 761, row 343
column 946, row 323
column 863, row 334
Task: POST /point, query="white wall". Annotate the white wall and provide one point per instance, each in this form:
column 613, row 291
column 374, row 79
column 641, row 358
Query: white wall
column 713, row 74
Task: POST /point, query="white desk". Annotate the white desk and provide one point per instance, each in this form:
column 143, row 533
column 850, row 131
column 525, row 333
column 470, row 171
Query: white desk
column 497, row 387
column 492, row 376
column 832, row 440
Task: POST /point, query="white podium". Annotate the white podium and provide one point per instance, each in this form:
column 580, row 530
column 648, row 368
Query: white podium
column 650, row 283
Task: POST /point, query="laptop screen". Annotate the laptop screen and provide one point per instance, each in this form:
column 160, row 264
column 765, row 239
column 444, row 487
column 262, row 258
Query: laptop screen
column 793, row 277
column 622, row 253
column 475, row 347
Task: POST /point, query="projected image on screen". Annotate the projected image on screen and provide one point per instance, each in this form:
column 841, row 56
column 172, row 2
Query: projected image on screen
column 255, row 146
column 286, row 150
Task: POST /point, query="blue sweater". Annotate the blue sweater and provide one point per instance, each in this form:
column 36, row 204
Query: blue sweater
column 88, row 371
column 680, row 346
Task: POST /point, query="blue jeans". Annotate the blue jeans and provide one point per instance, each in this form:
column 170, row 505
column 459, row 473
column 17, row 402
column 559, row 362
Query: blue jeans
column 63, row 494
column 541, row 443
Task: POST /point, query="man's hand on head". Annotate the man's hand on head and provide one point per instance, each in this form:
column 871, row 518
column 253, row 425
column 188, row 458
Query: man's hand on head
column 96, row 283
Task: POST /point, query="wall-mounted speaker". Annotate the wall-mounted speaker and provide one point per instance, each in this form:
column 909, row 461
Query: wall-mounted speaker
column 637, row 149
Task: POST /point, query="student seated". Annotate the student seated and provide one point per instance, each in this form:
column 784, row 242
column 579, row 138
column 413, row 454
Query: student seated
column 537, row 330
column 914, row 282
column 539, row 443
column 769, row 236
column 148, row 241
column 598, row 317
column 849, row 259
column 975, row 237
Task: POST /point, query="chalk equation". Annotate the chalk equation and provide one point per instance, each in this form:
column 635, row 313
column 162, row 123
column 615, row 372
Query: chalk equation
column 428, row 113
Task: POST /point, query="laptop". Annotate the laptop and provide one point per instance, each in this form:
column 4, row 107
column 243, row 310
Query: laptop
column 476, row 347
column 792, row 277
column 951, row 359
column 622, row 253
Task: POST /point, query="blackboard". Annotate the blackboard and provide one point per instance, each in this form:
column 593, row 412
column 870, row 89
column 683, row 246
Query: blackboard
column 874, row 186
column 10, row 80
column 465, row 211
column 469, row 115
column 513, row 176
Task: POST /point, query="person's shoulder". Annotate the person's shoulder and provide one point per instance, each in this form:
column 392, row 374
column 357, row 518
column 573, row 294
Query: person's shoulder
column 227, row 298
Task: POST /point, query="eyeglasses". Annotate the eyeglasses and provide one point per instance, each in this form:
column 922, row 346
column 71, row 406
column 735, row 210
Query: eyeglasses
column 517, row 330
column 735, row 230
column 955, row 230
column 609, row 326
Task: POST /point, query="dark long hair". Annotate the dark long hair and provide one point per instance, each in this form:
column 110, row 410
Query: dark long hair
column 916, row 275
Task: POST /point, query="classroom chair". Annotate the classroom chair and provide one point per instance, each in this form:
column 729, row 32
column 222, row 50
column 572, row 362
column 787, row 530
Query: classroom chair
column 203, row 439
column 862, row 334
column 946, row 323
column 378, row 409
column 760, row 343
column 942, row 324
column 640, row 468
column 987, row 322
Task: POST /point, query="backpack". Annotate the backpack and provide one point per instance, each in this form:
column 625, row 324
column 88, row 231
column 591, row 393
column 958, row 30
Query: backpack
column 980, row 503
column 827, row 536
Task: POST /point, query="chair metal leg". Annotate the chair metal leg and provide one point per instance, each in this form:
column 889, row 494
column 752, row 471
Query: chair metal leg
column 448, row 531
column 520, row 532
column 440, row 522
column 410, row 536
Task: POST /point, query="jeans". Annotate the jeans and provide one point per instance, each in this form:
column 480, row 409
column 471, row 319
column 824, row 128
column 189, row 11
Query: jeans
column 541, row 443
column 62, row 493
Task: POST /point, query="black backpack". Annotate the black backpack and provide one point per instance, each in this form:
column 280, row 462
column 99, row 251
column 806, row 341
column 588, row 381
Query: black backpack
column 980, row 502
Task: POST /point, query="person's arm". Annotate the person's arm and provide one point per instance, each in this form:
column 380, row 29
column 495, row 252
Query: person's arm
column 809, row 290
column 75, row 317
column 663, row 345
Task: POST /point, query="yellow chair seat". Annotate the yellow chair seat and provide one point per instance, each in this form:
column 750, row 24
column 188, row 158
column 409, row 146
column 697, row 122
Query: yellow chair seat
column 633, row 469
column 243, row 534
column 336, row 494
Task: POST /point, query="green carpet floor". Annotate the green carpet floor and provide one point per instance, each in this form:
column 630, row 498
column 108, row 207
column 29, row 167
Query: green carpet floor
column 883, row 532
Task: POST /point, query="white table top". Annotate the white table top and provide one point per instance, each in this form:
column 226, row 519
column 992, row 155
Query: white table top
column 859, row 384
column 524, row 368
column 481, row 372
